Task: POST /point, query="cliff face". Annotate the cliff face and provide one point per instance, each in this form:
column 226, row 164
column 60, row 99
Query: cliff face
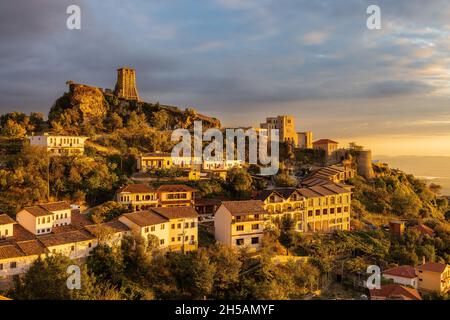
column 89, row 101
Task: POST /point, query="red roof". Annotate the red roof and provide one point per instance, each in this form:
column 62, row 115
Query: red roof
column 433, row 267
column 325, row 141
column 425, row 230
column 136, row 188
column 395, row 292
column 401, row 271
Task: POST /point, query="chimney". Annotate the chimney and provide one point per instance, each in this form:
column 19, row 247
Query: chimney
column 423, row 260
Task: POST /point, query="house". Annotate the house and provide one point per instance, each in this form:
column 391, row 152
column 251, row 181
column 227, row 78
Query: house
column 394, row 292
column 325, row 175
column 397, row 227
column 434, row 277
column 424, row 230
column 404, row 275
column 40, row 219
column 176, row 195
column 6, row 226
column 240, row 224
column 161, row 160
column 175, row 228
column 143, row 197
column 60, row 145
column 137, row 197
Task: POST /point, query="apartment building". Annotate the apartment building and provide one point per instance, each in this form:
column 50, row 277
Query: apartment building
column 139, row 197
column 161, row 160
column 434, row 277
column 175, row 229
column 60, row 145
column 327, row 208
column 240, row 224
column 41, row 219
column 329, row 174
column 282, row 202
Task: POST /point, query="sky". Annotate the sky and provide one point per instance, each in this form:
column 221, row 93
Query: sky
column 245, row 60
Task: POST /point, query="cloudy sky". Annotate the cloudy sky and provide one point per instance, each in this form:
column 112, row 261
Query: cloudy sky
column 243, row 60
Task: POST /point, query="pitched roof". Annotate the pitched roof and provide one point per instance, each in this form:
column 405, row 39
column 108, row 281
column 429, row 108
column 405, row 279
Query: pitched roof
column 56, row 206
column 50, row 240
column 175, row 188
column 5, row 219
column 433, row 267
column 264, row 194
column 145, row 218
column 244, row 207
column 176, row 212
column 110, row 227
column 402, row 271
column 46, row 209
column 9, row 250
column 396, row 292
column 325, row 141
column 157, row 154
column 32, row 247
column 425, row 230
column 136, row 188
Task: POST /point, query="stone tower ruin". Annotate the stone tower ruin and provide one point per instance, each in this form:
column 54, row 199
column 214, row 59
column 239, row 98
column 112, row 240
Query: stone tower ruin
column 126, row 84
column 364, row 160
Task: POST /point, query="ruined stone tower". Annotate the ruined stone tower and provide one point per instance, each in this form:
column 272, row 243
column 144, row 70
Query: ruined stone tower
column 126, row 84
column 364, row 160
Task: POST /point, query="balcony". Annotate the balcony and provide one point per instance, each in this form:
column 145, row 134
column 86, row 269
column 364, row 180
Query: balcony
column 246, row 219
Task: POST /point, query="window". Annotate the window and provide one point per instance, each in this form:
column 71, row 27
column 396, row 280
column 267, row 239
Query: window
column 152, row 228
column 1, row 266
column 310, row 213
column 192, row 238
column 6, row 232
column 255, row 226
column 39, row 221
column 161, row 242
column 65, row 215
column 162, row 227
column 239, row 228
column 13, row 265
column 173, row 239
column 186, row 238
column 255, row 240
column 192, row 224
column 90, row 245
column 48, row 219
column 325, row 211
column 317, row 212
column 339, row 210
column 179, row 225
column 146, row 229
column 179, row 238
column 48, row 229
column 173, row 226
column 332, row 210
column 345, row 209
column 239, row 242
column 186, row 225
column 72, row 248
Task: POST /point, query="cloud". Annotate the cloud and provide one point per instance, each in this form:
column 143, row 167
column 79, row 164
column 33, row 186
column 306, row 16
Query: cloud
column 315, row 38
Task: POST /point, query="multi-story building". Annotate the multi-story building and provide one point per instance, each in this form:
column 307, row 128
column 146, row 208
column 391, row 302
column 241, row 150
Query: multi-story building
column 161, row 160
column 60, row 145
column 318, row 208
column 330, row 148
column 41, row 219
column 137, row 197
column 285, row 125
column 175, row 229
column 434, row 277
column 142, row 197
column 240, row 224
column 327, row 208
column 305, row 140
column 325, row 175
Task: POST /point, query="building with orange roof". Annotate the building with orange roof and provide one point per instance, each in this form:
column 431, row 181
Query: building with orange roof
column 404, row 275
column 394, row 292
column 434, row 277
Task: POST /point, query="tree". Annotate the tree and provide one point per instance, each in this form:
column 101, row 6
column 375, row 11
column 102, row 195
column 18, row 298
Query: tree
column 287, row 234
column 13, row 129
column 284, row 180
column 239, row 182
column 160, row 119
column 106, row 263
column 47, row 279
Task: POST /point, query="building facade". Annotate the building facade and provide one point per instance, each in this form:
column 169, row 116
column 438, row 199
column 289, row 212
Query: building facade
column 60, row 145
column 240, row 224
column 305, row 140
column 286, row 126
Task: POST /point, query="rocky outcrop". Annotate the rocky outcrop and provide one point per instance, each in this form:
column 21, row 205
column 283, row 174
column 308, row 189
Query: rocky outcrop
column 89, row 101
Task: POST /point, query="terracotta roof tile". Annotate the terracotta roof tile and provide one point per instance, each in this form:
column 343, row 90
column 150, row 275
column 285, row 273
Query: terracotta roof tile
column 396, row 292
column 402, row 271
column 145, row 218
column 5, row 219
column 176, row 212
column 433, row 267
column 136, row 188
column 325, row 141
column 50, row 240
column 32, row 247
column 175, row 188
column 56, row 206
column 245, row 207
column 9, row 250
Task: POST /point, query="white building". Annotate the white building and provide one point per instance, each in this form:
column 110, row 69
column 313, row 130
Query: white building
column 42, row 218
column 60, row 145
column 405, row 275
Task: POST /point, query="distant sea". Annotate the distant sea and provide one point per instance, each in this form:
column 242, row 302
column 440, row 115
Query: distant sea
column 431, row 169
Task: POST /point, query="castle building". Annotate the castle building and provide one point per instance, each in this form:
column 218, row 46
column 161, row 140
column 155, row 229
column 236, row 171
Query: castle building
column 305, row 140
column 60, row 145
column 126, row 84
column 285, row 125
column 330, row 148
